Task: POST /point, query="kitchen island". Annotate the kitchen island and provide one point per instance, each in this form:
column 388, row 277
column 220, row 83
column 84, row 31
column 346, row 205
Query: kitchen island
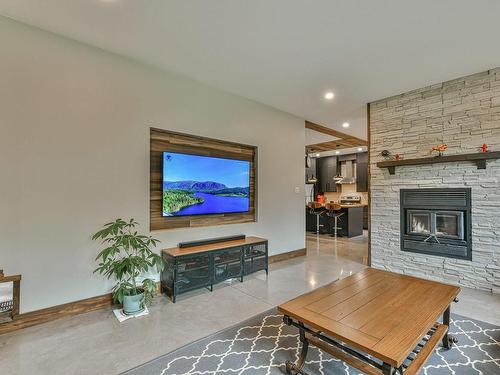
column 350, row 224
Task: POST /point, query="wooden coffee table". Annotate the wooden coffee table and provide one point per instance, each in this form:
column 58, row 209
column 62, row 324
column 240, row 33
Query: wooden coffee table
column 392, row 318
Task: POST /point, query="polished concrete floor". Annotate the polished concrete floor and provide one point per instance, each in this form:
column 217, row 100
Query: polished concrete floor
column 95, row 343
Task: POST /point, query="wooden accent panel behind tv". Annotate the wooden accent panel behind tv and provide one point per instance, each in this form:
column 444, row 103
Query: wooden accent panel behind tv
column 164, row 140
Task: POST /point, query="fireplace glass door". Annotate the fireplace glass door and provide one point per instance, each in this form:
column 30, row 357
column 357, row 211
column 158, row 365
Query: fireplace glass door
column 449, row 224
column 439, row 223
column 419, row 222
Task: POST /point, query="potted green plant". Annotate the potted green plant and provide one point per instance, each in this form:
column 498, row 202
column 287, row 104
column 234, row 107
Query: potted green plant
column 127, row 256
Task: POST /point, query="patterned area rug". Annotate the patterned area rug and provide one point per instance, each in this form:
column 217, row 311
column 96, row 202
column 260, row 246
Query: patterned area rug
column 260, row 346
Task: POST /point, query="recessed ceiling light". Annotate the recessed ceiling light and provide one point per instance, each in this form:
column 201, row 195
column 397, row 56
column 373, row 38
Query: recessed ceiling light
column 337, row 152
column 345, row 125
column 317, row 155
column 360, row 149
column 329, row 95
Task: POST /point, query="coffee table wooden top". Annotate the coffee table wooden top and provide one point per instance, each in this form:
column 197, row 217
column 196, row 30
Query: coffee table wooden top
column 381, row 313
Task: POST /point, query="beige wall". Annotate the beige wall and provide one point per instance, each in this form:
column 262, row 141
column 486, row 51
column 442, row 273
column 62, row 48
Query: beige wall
column 75, row 154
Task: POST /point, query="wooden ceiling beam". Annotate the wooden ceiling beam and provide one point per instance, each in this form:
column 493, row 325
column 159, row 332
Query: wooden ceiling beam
column 353, row 141
column 318, row 147
column 341, row 142
column 329, row 146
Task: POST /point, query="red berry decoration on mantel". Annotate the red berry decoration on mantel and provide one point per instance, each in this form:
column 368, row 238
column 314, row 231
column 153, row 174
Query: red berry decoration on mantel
column 484, row 147
column 440, row 149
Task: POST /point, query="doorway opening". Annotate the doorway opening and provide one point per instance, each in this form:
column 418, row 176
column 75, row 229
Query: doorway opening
column 336, row 193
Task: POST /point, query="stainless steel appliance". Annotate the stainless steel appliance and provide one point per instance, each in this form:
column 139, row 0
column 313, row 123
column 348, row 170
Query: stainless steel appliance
column 348, row 199
column 348, row 172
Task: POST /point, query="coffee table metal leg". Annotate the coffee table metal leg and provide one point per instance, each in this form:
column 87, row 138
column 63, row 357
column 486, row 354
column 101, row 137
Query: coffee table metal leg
column 388, row 369
column 448, row 340
column 296, row 368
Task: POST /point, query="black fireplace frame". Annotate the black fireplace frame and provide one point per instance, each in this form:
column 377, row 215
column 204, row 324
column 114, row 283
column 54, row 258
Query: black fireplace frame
column 459, row 199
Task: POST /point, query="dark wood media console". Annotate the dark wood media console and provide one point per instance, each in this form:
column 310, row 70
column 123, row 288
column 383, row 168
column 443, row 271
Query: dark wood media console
column 203, row 266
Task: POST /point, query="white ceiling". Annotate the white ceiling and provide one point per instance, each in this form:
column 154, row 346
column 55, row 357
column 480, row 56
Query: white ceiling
column 287, row 53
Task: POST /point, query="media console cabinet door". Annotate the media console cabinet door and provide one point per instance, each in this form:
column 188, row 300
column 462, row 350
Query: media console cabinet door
column 164, row 140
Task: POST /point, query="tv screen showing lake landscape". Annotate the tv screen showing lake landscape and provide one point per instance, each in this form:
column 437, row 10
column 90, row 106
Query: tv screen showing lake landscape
column 202, row 185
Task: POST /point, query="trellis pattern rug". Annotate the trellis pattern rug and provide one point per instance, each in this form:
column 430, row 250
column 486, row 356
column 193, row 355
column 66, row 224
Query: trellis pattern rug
column 262, row 344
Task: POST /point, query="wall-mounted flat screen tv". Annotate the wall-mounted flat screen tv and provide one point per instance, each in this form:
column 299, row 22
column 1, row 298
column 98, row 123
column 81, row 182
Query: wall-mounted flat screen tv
column 203, row 185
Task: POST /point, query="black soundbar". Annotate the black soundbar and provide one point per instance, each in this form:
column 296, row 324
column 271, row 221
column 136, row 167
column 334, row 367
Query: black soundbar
column 211, row 240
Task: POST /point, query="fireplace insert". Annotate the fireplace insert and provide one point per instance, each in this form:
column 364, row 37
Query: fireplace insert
column 437, row 222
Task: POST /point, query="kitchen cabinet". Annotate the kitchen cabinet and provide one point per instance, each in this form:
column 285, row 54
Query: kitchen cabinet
column 326, row 169
column 350, row 224
column 362, row 172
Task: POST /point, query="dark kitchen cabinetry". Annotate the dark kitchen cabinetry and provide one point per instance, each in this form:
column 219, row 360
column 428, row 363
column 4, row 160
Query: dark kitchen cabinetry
column 362, row 172
column 326, row 169
column 350, row 224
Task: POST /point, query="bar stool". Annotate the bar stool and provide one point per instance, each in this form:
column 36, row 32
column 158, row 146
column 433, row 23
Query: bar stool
column 316, row 208
column 333, row 211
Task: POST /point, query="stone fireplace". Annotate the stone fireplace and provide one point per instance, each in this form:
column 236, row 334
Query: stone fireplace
column 436, row 222
column 412, row 230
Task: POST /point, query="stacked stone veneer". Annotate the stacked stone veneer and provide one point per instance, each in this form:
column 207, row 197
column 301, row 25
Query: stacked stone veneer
column 464, row 114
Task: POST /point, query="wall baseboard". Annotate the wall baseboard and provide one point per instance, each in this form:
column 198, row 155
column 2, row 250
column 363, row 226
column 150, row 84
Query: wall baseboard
column 36, row 317
column 288, row 255
column 52, row 313
column 48, row 314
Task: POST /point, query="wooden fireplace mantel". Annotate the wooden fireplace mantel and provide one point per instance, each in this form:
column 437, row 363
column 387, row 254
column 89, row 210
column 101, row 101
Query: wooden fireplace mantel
column 479, row 158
